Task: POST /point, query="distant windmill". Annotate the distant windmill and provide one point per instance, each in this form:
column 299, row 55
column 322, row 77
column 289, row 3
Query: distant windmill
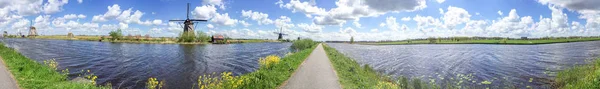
column 188, row 23
column 32, row 30
column 280, row 33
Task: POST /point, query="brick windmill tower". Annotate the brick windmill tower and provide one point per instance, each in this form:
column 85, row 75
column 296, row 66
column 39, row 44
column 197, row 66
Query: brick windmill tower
column 32, row 30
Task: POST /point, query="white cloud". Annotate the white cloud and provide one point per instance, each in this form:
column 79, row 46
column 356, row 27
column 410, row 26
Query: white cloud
column 223, row 19
column 215, row 3
column 113, row 12
column 500, row 13
column 80, row 1
column 357, row 24
column 455, row 16
column 42, row 22
column 283, row 22
column 204, row 12
column 210, row 26
column 53, row 6
column 73, row 16
column 440, row 1
column 352, row 9
column 312, row 28
column 391, row 23
column 374, row 30
column 246, row 24
column 405, row 19
column 261, row 18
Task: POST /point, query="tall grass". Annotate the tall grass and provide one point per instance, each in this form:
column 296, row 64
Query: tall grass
column 579, row 77
column 304, row 44
column 32, row 75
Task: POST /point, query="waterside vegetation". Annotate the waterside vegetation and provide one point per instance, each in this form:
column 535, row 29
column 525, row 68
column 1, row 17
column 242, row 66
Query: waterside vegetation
column 579, row 77
column 33, row 75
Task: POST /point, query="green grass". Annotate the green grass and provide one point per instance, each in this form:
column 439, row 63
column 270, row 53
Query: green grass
column 513, row 41
column 304, row 44
column 271, row 78
column 33, row 75
column 579, row 77
column 351, row 75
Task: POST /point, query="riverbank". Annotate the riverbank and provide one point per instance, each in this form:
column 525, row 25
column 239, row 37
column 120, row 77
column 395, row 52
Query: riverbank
column 271, row 74
column 579, row 77
column 142, row 40
column 484, row 41
column 33, row 75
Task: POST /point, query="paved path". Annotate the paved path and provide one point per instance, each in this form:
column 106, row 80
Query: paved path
column 6, row 79
column 316, row 72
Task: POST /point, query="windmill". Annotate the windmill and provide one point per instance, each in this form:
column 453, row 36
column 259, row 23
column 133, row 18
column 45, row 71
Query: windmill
column 280, row 33
column 188, row 23
column 32, row 30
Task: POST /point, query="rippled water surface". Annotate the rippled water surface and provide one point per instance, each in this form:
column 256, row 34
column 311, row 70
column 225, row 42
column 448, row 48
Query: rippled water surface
column 503, row 65
column 127, row 65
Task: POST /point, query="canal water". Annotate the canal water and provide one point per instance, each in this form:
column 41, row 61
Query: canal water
column 127, row 65
column 471, row 64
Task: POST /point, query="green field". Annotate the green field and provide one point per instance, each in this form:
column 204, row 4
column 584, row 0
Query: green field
column 151, row 40
column 33, row 75
column 502, row 41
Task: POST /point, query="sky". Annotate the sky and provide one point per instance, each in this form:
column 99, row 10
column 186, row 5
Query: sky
column 323, row 20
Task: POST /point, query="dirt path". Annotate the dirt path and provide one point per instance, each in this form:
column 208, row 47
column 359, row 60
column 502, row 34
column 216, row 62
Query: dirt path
column 6, row 79
column 316, row 72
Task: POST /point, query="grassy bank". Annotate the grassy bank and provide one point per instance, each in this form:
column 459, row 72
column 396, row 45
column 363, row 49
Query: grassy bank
column 273, row 71
column 579, row 77
column 485, row 41
column 33, row 75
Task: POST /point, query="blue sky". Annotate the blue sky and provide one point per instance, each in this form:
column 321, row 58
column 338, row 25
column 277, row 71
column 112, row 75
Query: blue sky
column 316, row 19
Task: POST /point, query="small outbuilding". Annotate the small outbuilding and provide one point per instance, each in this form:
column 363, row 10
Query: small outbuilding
column 217, row 39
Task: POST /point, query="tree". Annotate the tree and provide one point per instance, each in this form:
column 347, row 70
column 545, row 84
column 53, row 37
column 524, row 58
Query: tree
column 352, row 40
column 203, row 37
column 187, row 37
column 116, row 35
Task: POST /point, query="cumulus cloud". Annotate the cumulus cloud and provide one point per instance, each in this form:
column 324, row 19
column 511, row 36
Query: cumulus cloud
column 73, row 16
column 500, row 13
column 352, row 9
column 215, row 3
column 261, row 18
column 284, row 22
column 312, row 28
column 405, row 19
column 204, row 12
column 224, row 19
column 53, row 6
column 115, row 13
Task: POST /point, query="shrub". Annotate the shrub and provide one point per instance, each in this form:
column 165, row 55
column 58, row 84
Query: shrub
column 303, row 44
column 187, row 37
column 116, row 35
column 225, row 81
column 203, row 37
column 268, row 61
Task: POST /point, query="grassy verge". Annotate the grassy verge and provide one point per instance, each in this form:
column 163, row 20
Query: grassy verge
column 153, row 40
column 273, row 71
column 580, row 77
column 32, row 75
column 500, row 41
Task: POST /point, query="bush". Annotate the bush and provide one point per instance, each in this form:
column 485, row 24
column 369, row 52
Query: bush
column 303, row 44
column 579, row 77
column 268, row 61
column 203, row 37
column 187, row 37
column 116, row 35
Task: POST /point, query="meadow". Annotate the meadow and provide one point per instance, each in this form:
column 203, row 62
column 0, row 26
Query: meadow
column 485, row 41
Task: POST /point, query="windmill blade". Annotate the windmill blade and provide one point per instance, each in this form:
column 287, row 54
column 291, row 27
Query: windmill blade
column 175, row 20
column 276, row 32
column 198, row 20
column 284, row 34
column 188, row 11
